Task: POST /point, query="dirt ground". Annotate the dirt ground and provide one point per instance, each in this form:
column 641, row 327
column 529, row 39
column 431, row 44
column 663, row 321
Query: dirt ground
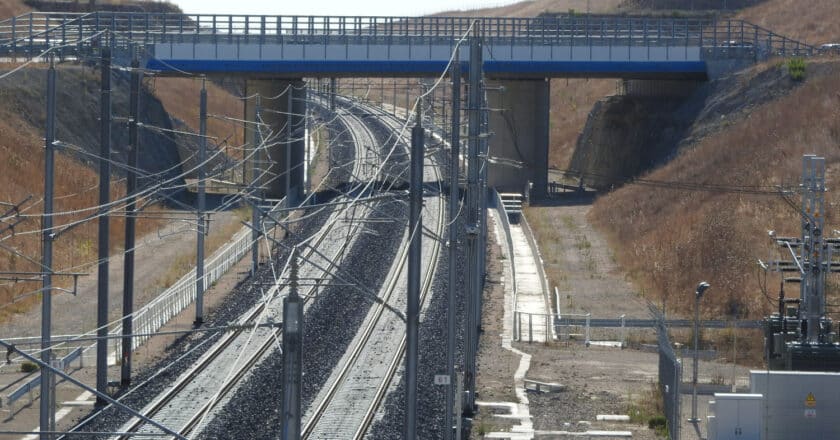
column 77, row 314
column 154, row 252
column 581, row 265
column 153, row 255
column 496, row 365
column 596, row 380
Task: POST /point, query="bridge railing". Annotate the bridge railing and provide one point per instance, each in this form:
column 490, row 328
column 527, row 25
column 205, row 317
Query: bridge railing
column 737, row 36
column 29, row 34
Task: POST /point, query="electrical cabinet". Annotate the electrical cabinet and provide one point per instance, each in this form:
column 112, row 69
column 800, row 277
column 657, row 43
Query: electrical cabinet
column 736, row 417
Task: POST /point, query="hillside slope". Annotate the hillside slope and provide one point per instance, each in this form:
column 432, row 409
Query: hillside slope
column 22, row 118
column 669, row 238
column 812, row 21
column 536, row 7
column 21, row 174
column 11, row 8
column 748, row 130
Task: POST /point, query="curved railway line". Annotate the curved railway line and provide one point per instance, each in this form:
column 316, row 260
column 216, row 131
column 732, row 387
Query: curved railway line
column 347, row 405
column 185, row 404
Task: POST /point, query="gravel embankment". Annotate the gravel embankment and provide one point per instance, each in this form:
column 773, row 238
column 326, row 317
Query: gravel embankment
column 329, row 326
column 183, row 353
column 432, row 349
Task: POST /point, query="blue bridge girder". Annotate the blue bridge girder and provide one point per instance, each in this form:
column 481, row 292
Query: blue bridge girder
column 294, row 47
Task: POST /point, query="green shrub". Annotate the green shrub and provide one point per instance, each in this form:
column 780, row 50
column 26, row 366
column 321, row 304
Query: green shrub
column 657, row 422
column 796, row 69
column 28, row 367
column 659, row 425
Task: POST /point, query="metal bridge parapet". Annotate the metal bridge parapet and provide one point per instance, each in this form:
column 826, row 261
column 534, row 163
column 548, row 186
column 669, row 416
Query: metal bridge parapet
column 73, row 34
column 295, row 46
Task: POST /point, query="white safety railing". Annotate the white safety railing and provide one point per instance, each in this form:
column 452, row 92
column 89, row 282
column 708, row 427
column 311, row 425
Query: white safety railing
column 28, row 388
column 500, row 208
column 177, row 297
column 574, row 326
column 528, row 327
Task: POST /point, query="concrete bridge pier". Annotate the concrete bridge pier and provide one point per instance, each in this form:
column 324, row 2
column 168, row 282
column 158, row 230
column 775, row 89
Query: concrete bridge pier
column 283, row 110
column 519, row 122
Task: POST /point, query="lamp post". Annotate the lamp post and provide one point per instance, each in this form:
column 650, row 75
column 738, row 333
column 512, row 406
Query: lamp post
column 697, row 295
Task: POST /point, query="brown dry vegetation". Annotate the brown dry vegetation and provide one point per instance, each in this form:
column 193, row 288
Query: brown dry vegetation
column 571, row 102
column 811, row 21
column 668, row 239
column 536, row 7
column 21, row 175
column 11, row 8
column 180, row 97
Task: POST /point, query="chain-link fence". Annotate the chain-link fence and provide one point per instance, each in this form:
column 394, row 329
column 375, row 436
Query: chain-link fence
column 670, row 376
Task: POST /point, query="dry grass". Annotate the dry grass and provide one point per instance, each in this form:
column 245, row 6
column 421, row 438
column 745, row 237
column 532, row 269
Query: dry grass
column 668, row 240
column 11, row 8
column 180, row 97
column 571, row 102
column 811, row 21
column 536, row 7
column 185, row 262
column 21, row 175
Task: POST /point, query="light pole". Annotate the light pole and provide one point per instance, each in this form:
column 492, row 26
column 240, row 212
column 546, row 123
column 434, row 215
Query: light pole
column 697, row 295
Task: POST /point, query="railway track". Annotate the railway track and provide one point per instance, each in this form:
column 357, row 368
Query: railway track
column 347, row 405
column 186, row 404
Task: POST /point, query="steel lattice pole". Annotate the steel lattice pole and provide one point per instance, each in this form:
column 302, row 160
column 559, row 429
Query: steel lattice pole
column 130, row 222
column 412, row 317
column 104, row 228
column 452, row 300
column 46, row 253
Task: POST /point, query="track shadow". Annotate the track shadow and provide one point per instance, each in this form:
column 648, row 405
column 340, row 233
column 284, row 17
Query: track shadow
column 571, row 198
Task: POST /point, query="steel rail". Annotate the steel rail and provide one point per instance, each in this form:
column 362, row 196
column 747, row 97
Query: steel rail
column 220, row 348
column 253, row 358
column 381, row 393
column 373, row 321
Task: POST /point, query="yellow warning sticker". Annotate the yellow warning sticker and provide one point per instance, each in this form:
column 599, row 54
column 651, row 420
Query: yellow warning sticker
column 810, row 401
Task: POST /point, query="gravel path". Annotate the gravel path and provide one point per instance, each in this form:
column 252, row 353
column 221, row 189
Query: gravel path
column 77, row 314
column 597, row 380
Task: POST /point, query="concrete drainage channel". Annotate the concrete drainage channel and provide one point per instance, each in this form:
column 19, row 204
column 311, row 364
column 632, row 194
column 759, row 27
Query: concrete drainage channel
column 520, row 411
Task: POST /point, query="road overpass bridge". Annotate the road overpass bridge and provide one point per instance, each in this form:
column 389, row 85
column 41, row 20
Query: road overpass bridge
column 519, row 55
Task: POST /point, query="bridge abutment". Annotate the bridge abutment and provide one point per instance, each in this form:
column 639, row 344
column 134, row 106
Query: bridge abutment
column 283, row 110
column 519, row 122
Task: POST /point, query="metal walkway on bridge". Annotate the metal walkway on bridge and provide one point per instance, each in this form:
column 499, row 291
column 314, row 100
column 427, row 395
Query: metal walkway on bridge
column 550, row 46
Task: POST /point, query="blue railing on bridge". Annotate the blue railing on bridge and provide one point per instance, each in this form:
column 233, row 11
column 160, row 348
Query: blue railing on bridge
column 75, row 34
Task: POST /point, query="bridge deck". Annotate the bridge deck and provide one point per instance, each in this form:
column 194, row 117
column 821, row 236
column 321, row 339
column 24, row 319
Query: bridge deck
column 501, row 59
column 588, row 45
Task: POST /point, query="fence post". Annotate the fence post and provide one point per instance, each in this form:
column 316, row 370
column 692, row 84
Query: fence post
column 586, row 341
column 677, row 402
column 623, row 330
column 547, row 322
column 515, row 335
column 530, row 328
column 14, row 39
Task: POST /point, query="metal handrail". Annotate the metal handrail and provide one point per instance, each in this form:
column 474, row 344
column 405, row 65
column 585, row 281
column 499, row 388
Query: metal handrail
column 150, row 28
